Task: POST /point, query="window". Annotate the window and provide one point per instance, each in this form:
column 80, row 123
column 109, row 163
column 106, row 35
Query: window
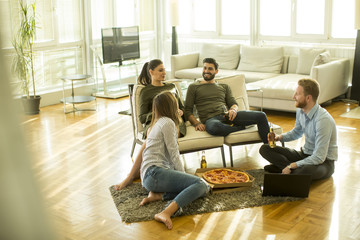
column 310, row 16
column 69, row 20
column 275, row 17
column 185, row 16
column 101, row 16
column 58, row 47
column 235, row 17
column 45, row 13
column 125, row 13
column 204, row 15
column 111, row 13
column 214, row 17
column 5, row 23
column 146, row 15
column 343, row 24
column 306, row 19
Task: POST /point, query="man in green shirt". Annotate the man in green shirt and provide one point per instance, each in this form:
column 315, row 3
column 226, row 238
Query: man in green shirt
column 210, row 97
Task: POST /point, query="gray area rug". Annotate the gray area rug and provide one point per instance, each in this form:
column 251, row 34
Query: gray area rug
column 127, row 201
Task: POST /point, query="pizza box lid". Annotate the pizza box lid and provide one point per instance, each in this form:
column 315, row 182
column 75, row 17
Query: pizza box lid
column 199, row 172
column 229, row 189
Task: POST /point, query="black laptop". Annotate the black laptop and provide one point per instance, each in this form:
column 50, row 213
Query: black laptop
column 277, row 184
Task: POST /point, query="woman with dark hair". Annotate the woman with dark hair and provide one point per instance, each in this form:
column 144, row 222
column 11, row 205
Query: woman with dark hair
column 152, row 76
column 161, row 169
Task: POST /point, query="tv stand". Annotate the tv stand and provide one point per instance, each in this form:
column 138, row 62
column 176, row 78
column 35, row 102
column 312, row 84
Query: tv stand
column 106, row 92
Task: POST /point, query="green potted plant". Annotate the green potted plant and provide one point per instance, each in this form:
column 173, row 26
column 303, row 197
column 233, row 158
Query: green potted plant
column 23, row 63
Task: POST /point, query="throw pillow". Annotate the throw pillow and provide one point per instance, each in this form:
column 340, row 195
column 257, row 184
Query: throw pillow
column 322, row 58
column 306, row 59
column 227, row 56
column 261, row 59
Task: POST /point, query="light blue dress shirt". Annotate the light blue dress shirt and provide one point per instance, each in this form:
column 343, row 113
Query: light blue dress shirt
column 320, row 135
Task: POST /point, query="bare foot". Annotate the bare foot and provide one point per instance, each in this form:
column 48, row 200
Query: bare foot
column 164, row 218
column 119, row 186
column 126, row 182
column 152, row 197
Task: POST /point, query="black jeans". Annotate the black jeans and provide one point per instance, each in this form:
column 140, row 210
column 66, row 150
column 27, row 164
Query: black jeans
column 282, row 157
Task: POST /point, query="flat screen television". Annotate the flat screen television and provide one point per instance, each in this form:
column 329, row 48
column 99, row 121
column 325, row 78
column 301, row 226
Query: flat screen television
column 120, row 44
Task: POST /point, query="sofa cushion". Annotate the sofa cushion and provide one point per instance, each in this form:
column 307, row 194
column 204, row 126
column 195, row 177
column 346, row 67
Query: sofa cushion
column 306, row 59
column 227, row 55
column 261, row 59
column 238, row 89
column 198, row 140
column 189, row 73
column 280, row 87
column 293, row 61
column 256, row 76
column 247, row 135
column 195, row 73
column 320, row 59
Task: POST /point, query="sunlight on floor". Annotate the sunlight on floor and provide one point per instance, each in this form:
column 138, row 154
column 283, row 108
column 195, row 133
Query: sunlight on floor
column 209, row 226
column 232, row 227
column 334, row 226
column 248, row 229
column 271, row 237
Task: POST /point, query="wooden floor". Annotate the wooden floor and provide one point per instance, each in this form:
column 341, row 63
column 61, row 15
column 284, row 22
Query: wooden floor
column 76, row 157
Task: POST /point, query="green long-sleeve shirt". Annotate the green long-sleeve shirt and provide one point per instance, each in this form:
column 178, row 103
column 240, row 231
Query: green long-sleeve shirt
column 208, row 98
column 147, row 95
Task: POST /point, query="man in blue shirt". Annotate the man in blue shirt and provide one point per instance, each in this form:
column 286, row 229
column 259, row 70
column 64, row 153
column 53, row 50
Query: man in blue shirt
column 320, row 151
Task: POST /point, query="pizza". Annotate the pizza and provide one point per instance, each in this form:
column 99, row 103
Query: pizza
column 223, row 176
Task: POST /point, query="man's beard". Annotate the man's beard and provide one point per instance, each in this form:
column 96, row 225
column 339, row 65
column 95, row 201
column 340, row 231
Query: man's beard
column 300, row 104
column 208, row 76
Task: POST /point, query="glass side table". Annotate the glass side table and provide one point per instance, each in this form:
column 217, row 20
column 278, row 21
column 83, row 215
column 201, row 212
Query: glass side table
column 76, row 99
column 256, row 89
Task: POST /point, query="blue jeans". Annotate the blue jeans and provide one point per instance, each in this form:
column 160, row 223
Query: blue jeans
column 181, row 187
column 217, row 126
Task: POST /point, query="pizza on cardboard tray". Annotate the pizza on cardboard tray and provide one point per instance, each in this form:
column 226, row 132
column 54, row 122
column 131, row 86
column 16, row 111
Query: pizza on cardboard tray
column 224, row 176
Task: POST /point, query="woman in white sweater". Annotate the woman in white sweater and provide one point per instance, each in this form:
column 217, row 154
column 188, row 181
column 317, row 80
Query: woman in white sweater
column 161, row 170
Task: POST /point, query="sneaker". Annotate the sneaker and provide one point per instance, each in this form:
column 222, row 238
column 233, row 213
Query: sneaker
column 272, row 169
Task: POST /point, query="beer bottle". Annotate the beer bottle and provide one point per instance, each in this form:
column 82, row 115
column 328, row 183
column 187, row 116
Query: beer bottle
column 272, row 138
column 226, row 113
column 203, row 163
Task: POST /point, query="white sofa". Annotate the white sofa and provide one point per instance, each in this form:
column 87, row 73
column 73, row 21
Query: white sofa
column 197, row 140
column 270, row 70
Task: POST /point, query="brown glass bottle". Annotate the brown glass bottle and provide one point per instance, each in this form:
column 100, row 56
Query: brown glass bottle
column 203, row 163
column 227, row 119
column 272, row 138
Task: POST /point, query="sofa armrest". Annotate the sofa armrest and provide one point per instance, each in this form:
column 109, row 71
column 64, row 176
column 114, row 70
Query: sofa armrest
column 333, row 78
column 241, row 103
column 183, row 61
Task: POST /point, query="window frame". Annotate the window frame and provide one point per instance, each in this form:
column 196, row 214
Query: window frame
column 255, row 37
